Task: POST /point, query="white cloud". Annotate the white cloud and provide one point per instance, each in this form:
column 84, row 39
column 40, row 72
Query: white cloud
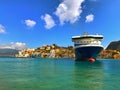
column 30, row 23
column 89, row 18
column 69, row 11
column 48, row 20
column 12, row 45
column 2, row 29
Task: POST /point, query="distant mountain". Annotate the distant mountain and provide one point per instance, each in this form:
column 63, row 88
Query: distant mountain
column 8, row 52
column 115, row 45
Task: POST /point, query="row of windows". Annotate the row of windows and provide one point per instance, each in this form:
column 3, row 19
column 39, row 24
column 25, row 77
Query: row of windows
column 86, row 41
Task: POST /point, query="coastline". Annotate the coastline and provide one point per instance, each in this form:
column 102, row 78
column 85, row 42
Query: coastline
column 48, row 51
column 55, row 51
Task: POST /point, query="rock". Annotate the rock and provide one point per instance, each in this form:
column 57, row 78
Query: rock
column 115, row 45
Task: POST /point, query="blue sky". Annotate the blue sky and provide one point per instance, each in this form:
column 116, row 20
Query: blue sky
column 33, row 23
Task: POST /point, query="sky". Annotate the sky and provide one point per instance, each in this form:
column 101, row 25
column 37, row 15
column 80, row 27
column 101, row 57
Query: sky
column 34, row 23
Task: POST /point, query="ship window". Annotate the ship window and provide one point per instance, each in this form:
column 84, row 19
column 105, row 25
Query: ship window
column 77, row 44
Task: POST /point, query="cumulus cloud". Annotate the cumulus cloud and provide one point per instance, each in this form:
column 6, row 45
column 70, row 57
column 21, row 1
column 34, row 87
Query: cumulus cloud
column 14, row 45
column 69, row 11
column 48, row 20
column 89, row 18
column 2, row 29
column 30, row 23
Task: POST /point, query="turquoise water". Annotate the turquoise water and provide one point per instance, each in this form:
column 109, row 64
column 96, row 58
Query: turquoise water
column 58, row 74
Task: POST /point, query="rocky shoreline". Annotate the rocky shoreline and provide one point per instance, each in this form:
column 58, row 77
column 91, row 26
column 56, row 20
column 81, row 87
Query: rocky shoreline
column 109, row 54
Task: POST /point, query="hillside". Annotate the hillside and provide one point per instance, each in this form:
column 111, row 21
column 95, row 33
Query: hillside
column 8, row 52
column 115, row 45
column 48, row 51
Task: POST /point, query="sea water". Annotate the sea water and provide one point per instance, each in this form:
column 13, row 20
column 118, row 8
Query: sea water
column 58, row 74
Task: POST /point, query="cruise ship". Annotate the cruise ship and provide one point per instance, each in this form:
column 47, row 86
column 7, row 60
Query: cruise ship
column 87, row 47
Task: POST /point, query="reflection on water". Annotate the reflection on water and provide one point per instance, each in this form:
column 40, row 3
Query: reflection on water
column 58, row 74
column 88, row 76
